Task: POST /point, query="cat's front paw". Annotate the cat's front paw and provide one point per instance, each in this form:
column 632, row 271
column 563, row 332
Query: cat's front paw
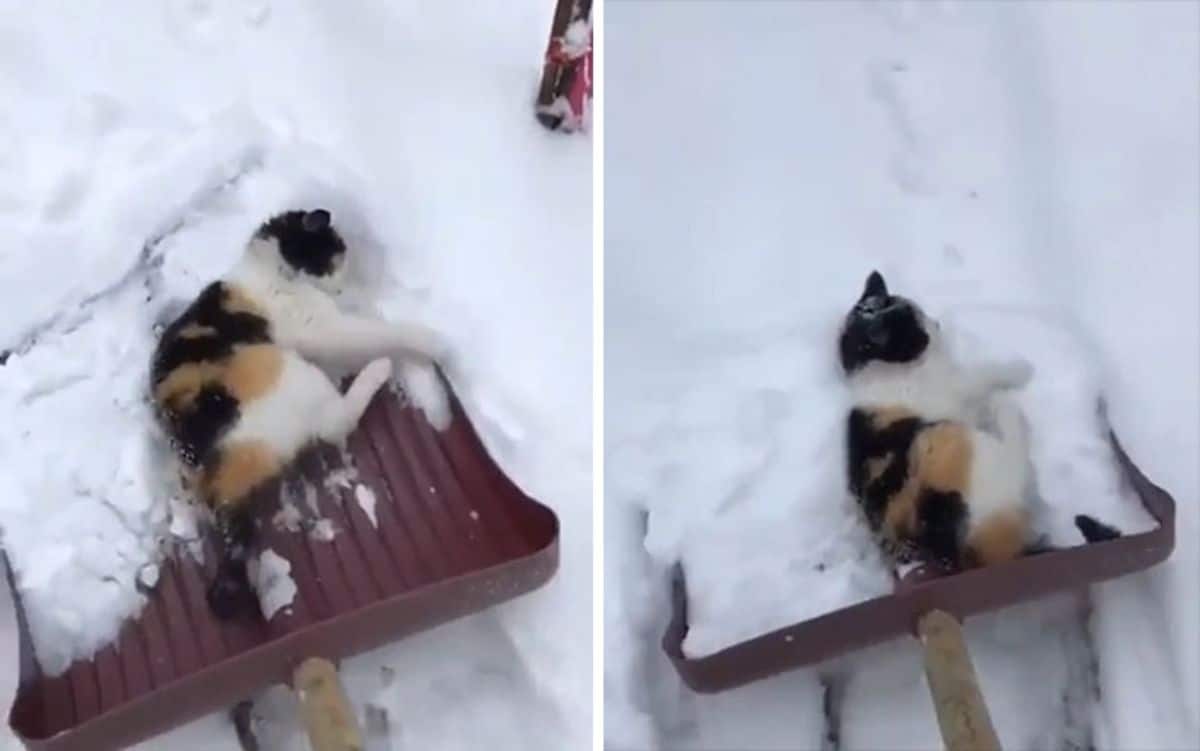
column 376, row 373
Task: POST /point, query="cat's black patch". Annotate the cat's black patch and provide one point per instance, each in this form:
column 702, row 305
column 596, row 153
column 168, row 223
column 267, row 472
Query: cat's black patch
column 1095, row 531
column 941, row 523
column 196, row 429
column 208, row 310
column 1091, row 529
column 881, row 327
column 865, row 442
column 230, row 593
column 307, row 240
column 196, row 421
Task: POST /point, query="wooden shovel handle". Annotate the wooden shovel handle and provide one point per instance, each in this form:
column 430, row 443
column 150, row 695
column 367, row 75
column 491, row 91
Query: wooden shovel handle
column 961, row 712
column 327, row 713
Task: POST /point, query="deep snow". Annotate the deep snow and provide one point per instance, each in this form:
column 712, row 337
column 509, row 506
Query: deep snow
column 1018, row 169
column 140, row 150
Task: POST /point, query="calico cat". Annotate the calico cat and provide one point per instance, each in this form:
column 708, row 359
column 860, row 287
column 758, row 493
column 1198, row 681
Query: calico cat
column 932, row 483
column 234, row 388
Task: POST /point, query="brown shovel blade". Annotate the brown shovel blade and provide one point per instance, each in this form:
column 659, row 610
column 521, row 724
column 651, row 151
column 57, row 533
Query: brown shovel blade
column 453, row 536
column 961, row 595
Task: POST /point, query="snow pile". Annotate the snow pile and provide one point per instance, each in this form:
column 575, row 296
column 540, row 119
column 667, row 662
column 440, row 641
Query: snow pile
column 79, row 279
column 271, row 576
column 742, row 480
column 458, row 209
column 366, row 501
column 928, row 141
column 77, row 533
column 1076, row 470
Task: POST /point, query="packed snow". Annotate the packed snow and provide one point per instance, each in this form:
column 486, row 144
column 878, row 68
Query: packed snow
column 145, row 149
column 1027, row 173
column 365, row 498
column 271, row 576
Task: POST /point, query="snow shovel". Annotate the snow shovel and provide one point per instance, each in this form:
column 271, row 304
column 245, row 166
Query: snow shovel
column 566, row 86
column 438, row 533
column 931, row 604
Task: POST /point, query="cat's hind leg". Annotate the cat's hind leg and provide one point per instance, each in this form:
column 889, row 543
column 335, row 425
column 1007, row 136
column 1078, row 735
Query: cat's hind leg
column 342, row 415
column 230, row 591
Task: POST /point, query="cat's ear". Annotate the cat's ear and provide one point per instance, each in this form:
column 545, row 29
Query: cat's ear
column 315, row 220
column 875, row 287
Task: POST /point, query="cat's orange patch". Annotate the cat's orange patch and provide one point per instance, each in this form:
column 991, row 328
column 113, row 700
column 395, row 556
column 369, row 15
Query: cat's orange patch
column 178, row 390
column 900, row 514
column 196, row 331
column 247, row 375
column 998, row 538
column 939, row 459
column 942, row 455
column 237, row 301
column 883, row 417
column 241, row 468
column 252, row 371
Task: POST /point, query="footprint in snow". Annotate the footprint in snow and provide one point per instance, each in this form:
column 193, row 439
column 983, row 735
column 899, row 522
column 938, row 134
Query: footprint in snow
column 257, row 14
column 952, row 254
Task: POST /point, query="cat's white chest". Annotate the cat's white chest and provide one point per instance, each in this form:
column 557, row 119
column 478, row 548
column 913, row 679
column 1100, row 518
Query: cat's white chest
column 932, row 390
column 294, row 305
column 291, row 307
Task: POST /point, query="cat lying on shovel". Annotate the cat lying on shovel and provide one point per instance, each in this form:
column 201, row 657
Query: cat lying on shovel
column 235, row 386
column 932, row 483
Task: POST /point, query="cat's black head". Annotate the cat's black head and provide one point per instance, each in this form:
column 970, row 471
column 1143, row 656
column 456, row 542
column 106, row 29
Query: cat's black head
column 882, row 327
column 307, row 241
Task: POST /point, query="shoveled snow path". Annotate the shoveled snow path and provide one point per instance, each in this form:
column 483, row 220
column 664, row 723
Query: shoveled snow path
column 930, row 132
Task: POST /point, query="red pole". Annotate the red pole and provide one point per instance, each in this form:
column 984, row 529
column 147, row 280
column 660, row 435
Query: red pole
column 564, row 97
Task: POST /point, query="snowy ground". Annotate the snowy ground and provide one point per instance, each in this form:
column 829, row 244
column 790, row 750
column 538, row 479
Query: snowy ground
column 994, row 159
column 138, row 152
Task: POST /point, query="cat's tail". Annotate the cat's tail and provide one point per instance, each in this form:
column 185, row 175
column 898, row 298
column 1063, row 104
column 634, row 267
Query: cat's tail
column 230, row 591
column 1095, row 531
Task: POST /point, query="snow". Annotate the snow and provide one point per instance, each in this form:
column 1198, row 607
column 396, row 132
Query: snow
column 78, row 536
column 148, row 575
column 322, row 530
column 145, row 150
column 270, row 574
column 366, row 501
column 1029, row 174
column 342, row 477
column 424, row 390
column 288, row 517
